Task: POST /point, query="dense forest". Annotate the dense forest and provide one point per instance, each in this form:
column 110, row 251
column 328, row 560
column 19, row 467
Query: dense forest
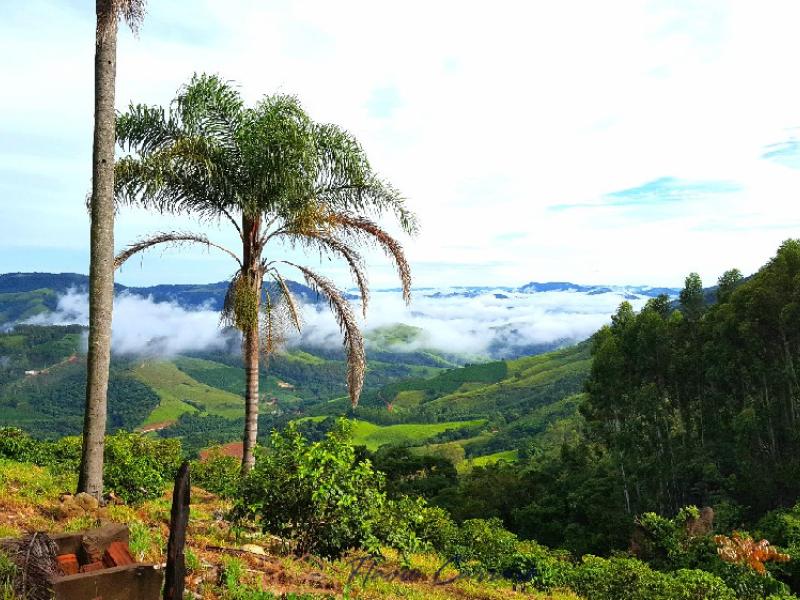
column 687, row 404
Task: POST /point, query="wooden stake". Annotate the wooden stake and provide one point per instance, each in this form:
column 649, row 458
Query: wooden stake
column 176, row 561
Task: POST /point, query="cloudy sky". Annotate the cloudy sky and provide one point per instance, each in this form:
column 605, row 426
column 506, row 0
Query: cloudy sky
column 597, row 142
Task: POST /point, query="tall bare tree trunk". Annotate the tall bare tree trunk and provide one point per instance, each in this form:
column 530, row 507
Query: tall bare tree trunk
column 251, row 366
column 250, row 344
column 101, row 268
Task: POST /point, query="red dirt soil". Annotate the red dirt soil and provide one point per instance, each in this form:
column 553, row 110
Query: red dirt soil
column 235, row 449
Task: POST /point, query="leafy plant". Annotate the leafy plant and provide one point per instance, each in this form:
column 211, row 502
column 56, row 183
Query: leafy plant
column 217, row 473
column 323, row 499
column 138, row 468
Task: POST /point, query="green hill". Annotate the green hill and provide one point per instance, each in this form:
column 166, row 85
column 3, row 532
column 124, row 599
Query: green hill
column 481, row 410
column 505, row 406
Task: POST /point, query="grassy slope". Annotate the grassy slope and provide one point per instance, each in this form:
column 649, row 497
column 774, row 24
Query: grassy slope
column 180, row 393
column 373, row 436
column 488, row 459
column 527, row 384
column 29, row 501
column 230, row 379
column 18, row 306
column 532, row 399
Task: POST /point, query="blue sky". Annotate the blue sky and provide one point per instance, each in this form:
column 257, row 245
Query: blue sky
column 624, row 142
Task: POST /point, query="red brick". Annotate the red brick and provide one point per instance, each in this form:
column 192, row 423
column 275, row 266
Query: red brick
column 95, row 566
column 118, row 555
column 68, row 563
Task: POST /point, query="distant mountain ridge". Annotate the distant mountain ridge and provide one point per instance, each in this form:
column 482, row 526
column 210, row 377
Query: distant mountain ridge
column 24, row 295
column 501, row 291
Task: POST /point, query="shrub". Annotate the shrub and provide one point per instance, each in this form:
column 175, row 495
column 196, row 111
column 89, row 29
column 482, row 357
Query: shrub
column 615, row 578
column 218, row 473
column 139, row 468
column 64, row 455
column 136, row 467
column 435, row 527
column 315, row 494
column 482, row 546
column 396, row 524
column 538, row 566
column 672, row 544
column 17, row 445
column 693, row 584
column 782, row 527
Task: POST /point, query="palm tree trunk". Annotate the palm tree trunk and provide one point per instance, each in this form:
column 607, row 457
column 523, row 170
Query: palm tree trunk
column 250, row 344
column 251, row 366
column 101, row 268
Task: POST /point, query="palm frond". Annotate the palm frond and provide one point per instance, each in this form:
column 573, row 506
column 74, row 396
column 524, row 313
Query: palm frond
column 110, row 11
column 289, row 299
column 171, row 239
column 353, row 340
column 157, row 182
column 188, row 158
column 327, row 243
column 279, row 154
column 346, row 182
column 369, row 231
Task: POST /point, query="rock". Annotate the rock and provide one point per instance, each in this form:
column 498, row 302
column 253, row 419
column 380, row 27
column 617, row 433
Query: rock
column 68, row 508
column 112, row 499
column 87, row 502
column 253, row 549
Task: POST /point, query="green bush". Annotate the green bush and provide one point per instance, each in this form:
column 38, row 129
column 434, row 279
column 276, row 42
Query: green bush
column 538, row 566
column 749, row 584
column 139, row 468
column 318, row 495
column 136, row 467
column 693, row 584
column 433, row 526
column 482, row 546
column 782, row 528
column 614, row 578
column 218, row 473
column 64, row 455
column 396, row 524
column 17, row 445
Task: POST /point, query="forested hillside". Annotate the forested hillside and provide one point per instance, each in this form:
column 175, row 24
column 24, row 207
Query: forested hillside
column 694, row 405
column 507, row 403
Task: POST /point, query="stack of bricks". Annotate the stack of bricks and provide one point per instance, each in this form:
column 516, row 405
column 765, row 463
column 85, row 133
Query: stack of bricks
column 116, row 555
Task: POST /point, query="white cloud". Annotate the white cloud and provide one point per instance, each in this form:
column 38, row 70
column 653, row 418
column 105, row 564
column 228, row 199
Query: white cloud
column 142, row 326
column 492, row 323
column 480, row 325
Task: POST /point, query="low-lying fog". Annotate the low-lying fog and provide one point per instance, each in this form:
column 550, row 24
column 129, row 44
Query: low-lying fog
column 475, row 323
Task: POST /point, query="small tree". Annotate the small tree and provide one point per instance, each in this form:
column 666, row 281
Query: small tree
column 315, row 494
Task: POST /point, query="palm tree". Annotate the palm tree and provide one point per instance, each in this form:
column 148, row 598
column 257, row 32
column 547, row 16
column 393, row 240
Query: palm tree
column 278, row 178
column 101, row 265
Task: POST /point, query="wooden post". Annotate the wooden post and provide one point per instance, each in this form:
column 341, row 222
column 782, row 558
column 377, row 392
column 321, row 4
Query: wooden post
column 176, row 562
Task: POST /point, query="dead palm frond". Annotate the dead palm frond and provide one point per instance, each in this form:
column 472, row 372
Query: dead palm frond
column 109, row 12
column 352, row 338
column 369, row 231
